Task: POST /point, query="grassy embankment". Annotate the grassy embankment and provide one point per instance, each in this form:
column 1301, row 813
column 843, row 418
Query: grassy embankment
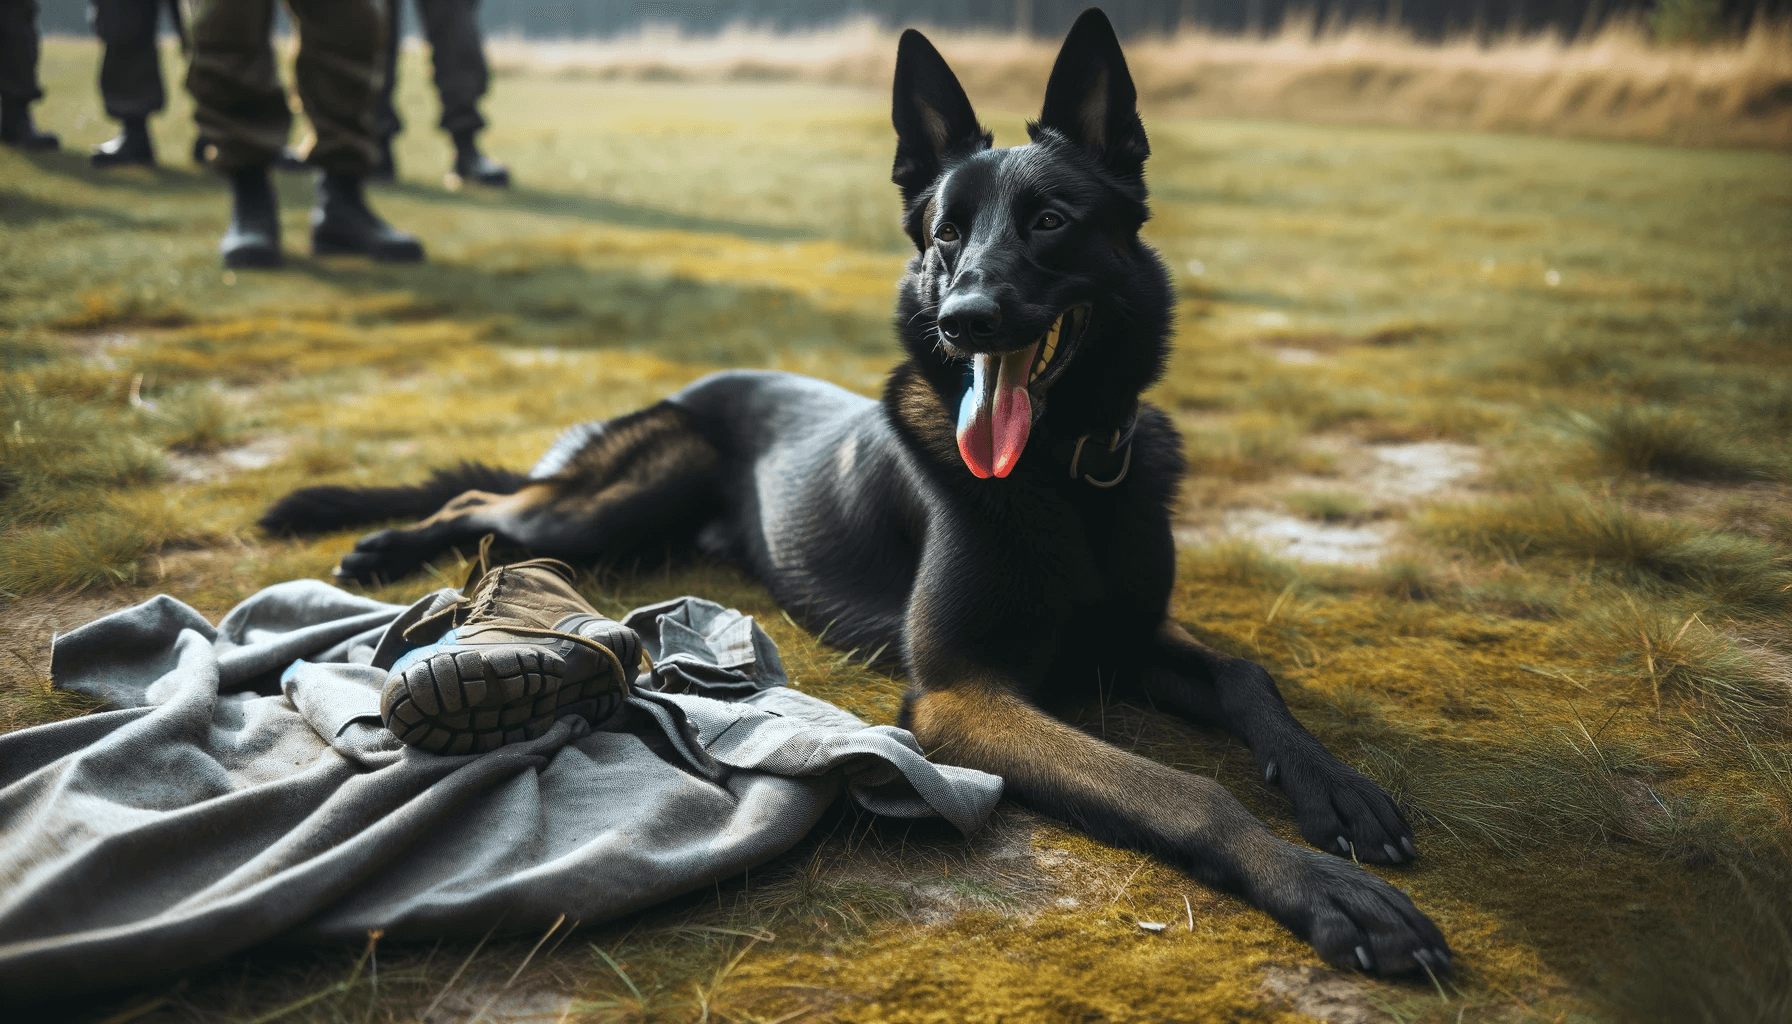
column 1572, row 667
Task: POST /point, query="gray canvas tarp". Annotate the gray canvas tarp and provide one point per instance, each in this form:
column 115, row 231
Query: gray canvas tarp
column 201, row 816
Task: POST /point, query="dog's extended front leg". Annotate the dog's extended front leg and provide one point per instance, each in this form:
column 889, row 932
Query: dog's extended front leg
column 1352, row 918
column 976, row 644
column 1337, row 808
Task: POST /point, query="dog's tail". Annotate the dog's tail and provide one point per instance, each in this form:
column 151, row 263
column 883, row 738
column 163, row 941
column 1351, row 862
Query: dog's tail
column 330, row 507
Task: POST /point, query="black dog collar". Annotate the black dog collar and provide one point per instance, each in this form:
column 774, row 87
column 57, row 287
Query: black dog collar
column 1100, row 461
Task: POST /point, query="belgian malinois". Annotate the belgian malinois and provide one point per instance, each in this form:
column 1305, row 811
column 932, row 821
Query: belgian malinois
column 999, row 524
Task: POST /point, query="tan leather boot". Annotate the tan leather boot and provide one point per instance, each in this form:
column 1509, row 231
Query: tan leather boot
column 523, row 651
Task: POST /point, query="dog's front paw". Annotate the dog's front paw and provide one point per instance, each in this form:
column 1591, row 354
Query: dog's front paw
column 1342, row 811
column 379, row 558
column 1356, row 920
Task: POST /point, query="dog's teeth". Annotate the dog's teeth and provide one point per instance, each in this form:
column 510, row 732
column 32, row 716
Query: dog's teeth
column 1048, row 349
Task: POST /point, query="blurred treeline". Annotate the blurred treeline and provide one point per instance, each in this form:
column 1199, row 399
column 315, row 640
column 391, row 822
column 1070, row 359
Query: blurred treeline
column 1426, row 19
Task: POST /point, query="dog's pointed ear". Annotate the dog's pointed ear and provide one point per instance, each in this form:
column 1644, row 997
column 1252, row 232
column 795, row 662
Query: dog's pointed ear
column 933, row 116
column 1090, row 98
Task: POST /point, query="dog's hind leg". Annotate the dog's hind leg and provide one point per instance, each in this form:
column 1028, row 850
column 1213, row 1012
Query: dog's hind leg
column 628, row 485
column 1337, row 808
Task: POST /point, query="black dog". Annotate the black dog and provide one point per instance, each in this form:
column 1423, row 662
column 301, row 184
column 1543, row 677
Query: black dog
column 999, row 524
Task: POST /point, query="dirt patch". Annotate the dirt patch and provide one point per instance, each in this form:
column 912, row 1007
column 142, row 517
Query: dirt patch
column 98, row 345
column 1425, row 469
column 1322, row 995
column 29, row 624
column 1020, row 867
column 496, row 1004
column 204, row 467
column 998, row 870
column 1304, row 540
column 1296, row 356
column 1350, row 517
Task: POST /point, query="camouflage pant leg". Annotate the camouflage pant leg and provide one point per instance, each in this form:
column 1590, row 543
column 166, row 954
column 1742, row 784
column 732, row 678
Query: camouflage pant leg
column 341, row 50
column 241, row 105
column 238, row 102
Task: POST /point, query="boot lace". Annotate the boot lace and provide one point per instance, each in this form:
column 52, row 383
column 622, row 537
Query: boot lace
column 485, row 583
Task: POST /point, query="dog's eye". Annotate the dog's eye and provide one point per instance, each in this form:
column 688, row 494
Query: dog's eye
column 1048, row 221
column 946, row 233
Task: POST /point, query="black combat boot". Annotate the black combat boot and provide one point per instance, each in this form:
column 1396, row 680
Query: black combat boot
column 522, row 651
column 253, row 238
column 475, row 166
column 343, row 225
column 17, row 131
column 130, row 146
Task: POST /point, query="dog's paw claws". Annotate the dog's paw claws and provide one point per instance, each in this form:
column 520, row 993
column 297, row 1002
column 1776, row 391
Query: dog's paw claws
column 1356, row 920
column 1342, row 811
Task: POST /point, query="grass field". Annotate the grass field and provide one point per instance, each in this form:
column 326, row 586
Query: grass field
column 1526, row 399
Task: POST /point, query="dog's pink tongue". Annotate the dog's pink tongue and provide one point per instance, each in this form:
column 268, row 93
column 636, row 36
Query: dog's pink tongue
column 996, row 414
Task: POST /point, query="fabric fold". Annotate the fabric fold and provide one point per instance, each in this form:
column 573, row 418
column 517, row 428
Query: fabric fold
column 209, row 811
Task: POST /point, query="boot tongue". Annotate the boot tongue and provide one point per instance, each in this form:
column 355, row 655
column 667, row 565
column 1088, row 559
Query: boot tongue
column 996, row 413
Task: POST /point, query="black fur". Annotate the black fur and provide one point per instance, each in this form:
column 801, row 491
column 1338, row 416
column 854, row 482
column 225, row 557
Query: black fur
column 1004, row 598
column 326, row 508
column 933, row 118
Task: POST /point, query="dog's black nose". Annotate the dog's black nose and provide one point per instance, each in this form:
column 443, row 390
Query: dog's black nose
column 975, row 313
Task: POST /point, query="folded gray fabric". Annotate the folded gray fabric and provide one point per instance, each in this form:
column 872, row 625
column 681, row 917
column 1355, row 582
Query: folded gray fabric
column 202, row 817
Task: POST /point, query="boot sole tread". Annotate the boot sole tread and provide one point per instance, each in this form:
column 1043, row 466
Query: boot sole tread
column 473, row 699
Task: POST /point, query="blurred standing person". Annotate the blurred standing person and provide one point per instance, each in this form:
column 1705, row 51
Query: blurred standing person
column 241, row 109
column 462, row 77
column 130, row 76
column 18, row 77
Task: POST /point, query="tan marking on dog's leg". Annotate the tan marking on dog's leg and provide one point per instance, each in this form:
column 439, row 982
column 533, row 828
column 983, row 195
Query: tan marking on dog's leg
column 1095, row 785
column 485, row 502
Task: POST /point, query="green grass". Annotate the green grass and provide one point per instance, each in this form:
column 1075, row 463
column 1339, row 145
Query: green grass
column 1675, row 558
column 1326, row 506
column 1677, row 657
column 1676, row 443
column 1576, row 682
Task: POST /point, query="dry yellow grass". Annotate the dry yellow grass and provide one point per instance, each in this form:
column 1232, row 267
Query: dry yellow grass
column 1617, row 84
